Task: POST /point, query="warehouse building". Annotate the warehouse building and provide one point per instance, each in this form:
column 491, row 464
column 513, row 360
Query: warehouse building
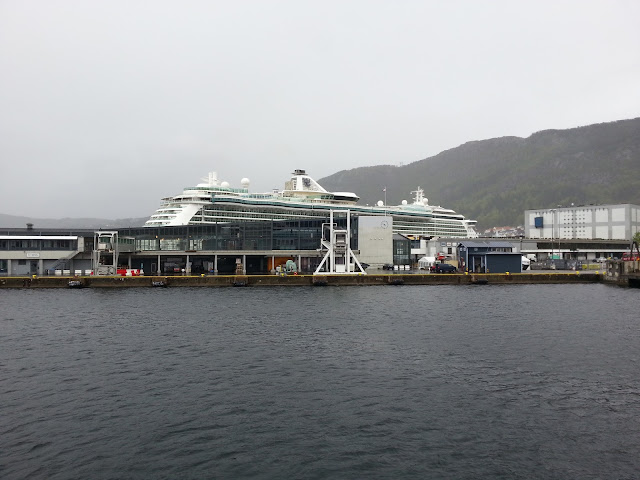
column 605, row 222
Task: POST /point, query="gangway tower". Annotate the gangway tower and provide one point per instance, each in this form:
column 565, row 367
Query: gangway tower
column 337, row 243
column 105, row 253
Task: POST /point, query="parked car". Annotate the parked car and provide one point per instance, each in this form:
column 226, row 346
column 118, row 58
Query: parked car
column 444, row 268
column 433, row 267
column 387, row 266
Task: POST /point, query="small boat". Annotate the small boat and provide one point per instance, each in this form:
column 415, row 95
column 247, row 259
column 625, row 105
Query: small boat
column 75, row 284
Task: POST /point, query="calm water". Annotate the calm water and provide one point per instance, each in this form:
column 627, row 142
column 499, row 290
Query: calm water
column 354, row 382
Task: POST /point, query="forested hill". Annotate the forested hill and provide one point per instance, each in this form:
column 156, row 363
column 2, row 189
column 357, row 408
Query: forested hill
column 494, row 181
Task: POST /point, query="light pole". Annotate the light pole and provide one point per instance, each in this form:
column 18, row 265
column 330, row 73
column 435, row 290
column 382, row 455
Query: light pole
column 553, row 227
column 553, row 246
column 558, row 218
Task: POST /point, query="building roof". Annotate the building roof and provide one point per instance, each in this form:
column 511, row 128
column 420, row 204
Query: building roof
column 498, row 253
column 485, row 244
column 574, row 207
column 398, row 236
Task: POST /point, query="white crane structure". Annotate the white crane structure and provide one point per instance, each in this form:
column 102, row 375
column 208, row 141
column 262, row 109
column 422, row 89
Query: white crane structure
column 339, row 258
column 105, row 253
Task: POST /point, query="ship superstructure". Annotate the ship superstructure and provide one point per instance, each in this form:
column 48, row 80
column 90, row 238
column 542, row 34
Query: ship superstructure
column 214, row 202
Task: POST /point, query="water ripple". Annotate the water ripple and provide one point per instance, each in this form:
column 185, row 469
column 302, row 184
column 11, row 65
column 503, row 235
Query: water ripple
column 416, row 382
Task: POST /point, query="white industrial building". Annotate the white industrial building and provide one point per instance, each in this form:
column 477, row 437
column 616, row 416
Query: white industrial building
column 375, row 240
column 588, row 222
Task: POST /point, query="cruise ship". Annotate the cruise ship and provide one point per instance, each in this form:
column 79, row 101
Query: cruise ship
column 213, row 202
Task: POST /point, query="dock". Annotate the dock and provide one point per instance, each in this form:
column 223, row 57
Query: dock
column 300, row 280
column 623, row 273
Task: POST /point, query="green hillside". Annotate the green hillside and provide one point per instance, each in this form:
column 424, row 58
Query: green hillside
column 494, row 181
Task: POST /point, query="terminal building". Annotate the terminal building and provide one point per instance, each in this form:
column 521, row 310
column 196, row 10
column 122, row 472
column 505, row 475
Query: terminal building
column 38, row 252
column 258, row 247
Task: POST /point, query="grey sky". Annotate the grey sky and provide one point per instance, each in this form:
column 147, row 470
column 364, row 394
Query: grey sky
column 105, row 107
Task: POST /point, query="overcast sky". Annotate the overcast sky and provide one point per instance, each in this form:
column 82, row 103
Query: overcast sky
column 107, row 106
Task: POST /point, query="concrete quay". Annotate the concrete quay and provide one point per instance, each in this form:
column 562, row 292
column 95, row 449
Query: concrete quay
column 299, row 280
column 623, row 273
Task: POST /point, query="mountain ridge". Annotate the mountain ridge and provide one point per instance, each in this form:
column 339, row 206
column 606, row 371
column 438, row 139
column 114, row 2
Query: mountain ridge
column 14, row 221
column 495, row 180
column 492, row 181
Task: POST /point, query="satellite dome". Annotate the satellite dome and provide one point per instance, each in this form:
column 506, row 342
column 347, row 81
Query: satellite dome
column 380, row 203
column 245, row 182
column 425, row 201
column 224, row 184
column 404, row 202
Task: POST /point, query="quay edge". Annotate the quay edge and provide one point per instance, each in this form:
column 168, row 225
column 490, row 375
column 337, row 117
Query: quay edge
column 300, row 280
column 623, row 273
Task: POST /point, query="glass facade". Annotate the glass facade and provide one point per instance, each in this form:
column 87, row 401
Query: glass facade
column 401, row 251
column 295, row 234
column 38, row 244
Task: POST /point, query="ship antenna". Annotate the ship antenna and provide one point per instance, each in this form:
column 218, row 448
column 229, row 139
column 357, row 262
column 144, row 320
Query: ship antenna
column 419, row 195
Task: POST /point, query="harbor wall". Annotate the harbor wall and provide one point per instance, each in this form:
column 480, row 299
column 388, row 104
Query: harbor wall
column 296, row 280
column 625, row 273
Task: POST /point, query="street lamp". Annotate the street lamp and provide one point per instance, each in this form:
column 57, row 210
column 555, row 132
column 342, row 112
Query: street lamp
column 553, row 227
column 558, row 217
